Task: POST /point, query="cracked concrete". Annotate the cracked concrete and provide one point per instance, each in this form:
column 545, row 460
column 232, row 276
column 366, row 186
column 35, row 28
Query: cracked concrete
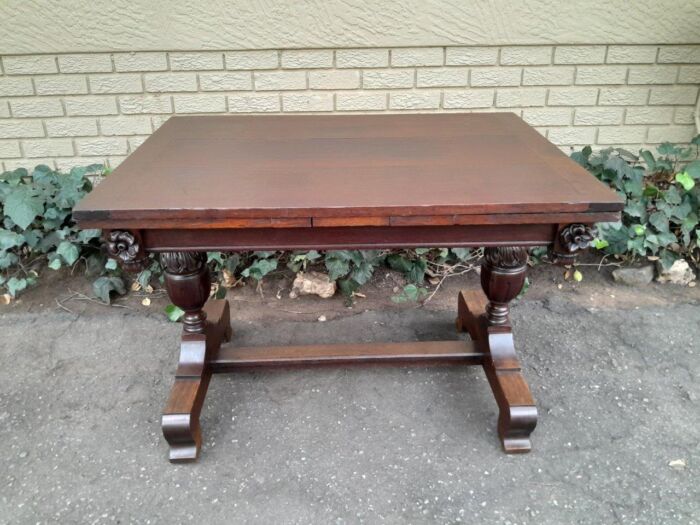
column 617, row 390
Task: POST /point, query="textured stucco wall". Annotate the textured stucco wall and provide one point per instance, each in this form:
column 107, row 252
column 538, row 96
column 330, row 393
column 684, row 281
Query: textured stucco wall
column 52, row 26
column 87, row 81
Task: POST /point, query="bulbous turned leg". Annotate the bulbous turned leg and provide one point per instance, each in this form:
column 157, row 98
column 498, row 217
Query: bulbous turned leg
column 205, row 326
column 502, row 278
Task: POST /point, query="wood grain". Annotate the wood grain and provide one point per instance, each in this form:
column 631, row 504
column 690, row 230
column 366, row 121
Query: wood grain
column 231, row 357
column 217, row 169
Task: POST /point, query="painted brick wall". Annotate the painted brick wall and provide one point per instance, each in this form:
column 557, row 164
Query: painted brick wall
column 73, row 109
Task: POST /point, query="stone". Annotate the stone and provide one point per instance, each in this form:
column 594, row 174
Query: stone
column 680, row 272
column 312, row 283
column 634, row 276
column 677, row 464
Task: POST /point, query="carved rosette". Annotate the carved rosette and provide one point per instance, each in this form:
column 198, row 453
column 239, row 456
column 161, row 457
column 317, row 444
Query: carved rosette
column 126, row 248
column 570, row 240
column 577, row 237
column 183, row 263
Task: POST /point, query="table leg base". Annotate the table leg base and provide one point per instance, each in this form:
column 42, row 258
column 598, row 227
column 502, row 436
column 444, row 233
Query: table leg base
column 180, row 421
column 517, row 411
column 491, row 346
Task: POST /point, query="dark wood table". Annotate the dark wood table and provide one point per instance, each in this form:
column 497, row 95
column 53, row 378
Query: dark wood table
column 234, row 183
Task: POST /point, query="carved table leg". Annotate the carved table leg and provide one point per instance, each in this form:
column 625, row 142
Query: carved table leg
column 204, row 328
column 502, row 278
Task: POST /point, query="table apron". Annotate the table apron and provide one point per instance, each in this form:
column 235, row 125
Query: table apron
column 361, row 237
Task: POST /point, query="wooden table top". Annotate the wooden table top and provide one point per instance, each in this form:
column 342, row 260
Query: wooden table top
column 334, row 170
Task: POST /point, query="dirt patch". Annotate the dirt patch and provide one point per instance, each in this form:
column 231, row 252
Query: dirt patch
column 73, row 292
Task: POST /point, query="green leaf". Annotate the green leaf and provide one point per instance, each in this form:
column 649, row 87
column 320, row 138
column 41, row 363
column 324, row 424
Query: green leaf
column 10, row 239
column 667, row 258
column 103, row 287
column 220, row 292
column 636, row 209
column 216, row 257
column 32, row 237
column 600, row 244
column 336, row 267
column 648, row 159
column 174, row 313
column 410, row 292
column 638, row 229
column 524, row 289
column 651, row 191
column 260, row 268
column 687, row 226
column 672, row 195
column 13, row 178
column 636, row 245
column 7, row 259
column 667, row 148
column 659, row 221
column 343, row 255
column 681, row 211
column 417, row 272
column 15, row 285
column 685, row 180
column 348, row 286
column 693, row 169
column 666, row 238
column 398, row 262
column 68, row 251
column 23, row 206
column 634, row 187
column 462, row 254
column 87, row 235
column 263, row 255
column 54, row 262
column 362, row 273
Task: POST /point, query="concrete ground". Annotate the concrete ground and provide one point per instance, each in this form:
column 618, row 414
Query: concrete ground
column 617, row 389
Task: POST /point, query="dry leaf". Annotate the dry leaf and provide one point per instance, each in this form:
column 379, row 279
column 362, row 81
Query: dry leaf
column 6, row 298
column 358, row 294
column 228, row 280
column 567, row 275
column 322, row 319
column 135, row 286
column 146, row 301
column 149, row 289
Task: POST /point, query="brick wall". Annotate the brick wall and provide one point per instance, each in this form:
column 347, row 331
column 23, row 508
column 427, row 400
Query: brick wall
column 72, row 109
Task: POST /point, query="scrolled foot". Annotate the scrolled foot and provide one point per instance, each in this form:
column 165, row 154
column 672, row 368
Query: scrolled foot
column 515, row 424
column 184, row 436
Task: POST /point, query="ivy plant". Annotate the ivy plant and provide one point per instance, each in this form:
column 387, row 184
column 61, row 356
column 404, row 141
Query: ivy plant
column 37, row 228
column 662, row 200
